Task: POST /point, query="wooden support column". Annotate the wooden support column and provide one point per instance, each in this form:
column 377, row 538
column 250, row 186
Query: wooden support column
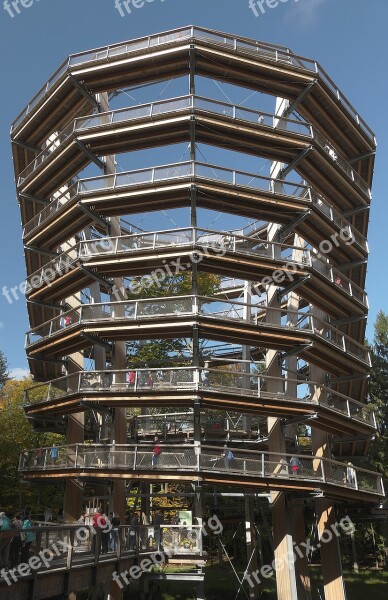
column 250, row 530
column 198, row 512
column 281, row 518
column 73, row 498
column 251, row 543
column 333, row 581
column 302, row 575
column 119, row 359
column 303, row 582
column 115, row 593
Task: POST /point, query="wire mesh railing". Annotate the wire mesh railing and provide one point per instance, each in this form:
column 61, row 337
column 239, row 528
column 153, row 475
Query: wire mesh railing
column 198, row 103
column 241, row 381
column 193, row 169
column 203, row 459
column 192, row 238
column 46, row 546
column 259, row 316
column 265, row 52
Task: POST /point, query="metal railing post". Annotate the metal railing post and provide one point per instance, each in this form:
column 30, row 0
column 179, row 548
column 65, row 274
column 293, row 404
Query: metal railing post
column 135, row 459
column 194, row 305
column 70, row 550
column 323, row 471
column 135, row 311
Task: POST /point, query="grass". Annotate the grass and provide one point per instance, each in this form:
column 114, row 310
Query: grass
column 222, row 583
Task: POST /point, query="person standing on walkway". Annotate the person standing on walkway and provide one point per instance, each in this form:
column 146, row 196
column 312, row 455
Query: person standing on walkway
column 296, row 465
column 133, row 532
column 27, row 538
column 157, row 523
column 16, row 542
column 156, row 453
column 114, row 534
column 228, row 457
column 5, row 539
column 54, row 453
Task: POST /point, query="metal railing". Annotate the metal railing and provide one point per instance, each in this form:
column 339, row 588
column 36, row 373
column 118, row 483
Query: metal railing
column 266, row 52
column 202, row 459
column 193, row 238
column 180, row 306
column 153, row 109
column 341, row 162
column 218, row 380
column 192, row 102
column 84, row 543
column 195, row 169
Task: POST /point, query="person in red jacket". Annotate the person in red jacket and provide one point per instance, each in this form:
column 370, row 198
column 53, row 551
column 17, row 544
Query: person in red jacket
column 101, row 526
column 156, row 452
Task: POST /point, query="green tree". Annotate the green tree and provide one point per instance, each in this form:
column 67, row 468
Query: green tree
column 378, row 392
column 160, row 352
column 17, row 435
column 3, row 369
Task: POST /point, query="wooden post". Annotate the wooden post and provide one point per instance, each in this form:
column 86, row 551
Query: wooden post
column 115, row 593
column 303, row 582
column 72, row 502
column 251, row 543
column 333, row 581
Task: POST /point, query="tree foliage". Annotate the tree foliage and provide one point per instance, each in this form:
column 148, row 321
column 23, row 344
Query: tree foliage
column 175, row 289
column 173, row 286
column 378, row 392
column 3, row 369
column 16, row 435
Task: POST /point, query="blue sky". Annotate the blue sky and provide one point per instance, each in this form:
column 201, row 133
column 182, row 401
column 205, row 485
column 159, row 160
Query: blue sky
column 348, row 37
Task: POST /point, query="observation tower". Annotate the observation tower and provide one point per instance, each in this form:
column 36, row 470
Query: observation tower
column 195, row 209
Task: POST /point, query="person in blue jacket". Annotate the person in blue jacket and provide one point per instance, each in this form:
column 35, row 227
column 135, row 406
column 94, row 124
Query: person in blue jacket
column 5, row 539
column 27, row 538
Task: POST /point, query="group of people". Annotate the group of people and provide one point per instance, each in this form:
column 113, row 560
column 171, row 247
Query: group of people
column 43, row 456
column 105, row 528
column 16, row 538
column 149, row 378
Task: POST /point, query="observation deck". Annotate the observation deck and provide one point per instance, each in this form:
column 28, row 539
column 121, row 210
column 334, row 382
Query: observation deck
column 216, row 123
column 261, row 470
column 238, row 60
column 215, row 319
column 181, row 386
column 253, row 258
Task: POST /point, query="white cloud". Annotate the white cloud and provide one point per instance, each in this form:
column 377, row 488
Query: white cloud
column 19, row 373
column 304, row 12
